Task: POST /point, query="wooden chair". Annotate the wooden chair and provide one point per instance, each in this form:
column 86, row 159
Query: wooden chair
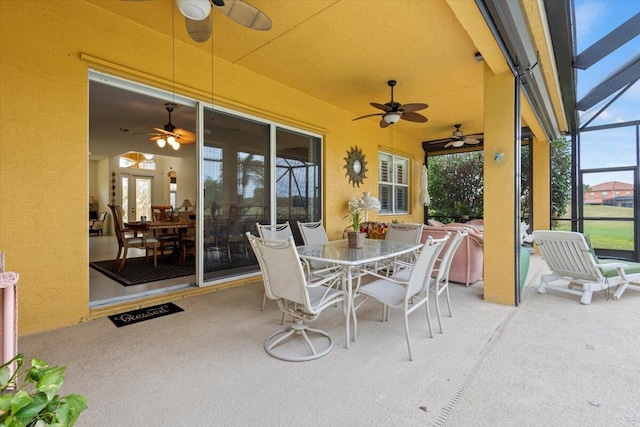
column 124, row 243
column 167, row 237
column 8, row 312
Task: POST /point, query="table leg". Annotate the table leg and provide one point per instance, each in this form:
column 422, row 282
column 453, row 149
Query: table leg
column 349, row 304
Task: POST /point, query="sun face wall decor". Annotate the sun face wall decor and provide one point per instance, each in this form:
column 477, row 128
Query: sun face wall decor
column 356, row 166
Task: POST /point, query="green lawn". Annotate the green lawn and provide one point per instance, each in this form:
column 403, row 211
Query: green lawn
column 607, row 234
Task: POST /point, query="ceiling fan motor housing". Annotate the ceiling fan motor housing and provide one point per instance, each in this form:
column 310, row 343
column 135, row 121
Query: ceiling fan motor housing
column 194, row 9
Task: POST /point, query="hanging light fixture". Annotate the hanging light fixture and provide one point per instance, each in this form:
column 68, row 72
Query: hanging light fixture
column 392, row 118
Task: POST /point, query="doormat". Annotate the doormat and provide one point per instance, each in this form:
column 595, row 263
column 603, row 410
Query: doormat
column 142, row 314
column 139, row 270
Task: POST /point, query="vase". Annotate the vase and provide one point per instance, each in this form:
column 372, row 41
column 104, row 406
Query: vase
column 356, row 239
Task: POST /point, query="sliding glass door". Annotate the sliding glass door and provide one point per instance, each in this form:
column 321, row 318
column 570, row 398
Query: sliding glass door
column 253, row 172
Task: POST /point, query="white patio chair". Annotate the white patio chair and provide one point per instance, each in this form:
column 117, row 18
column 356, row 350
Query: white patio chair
column 567, row 255
column 273, row 232
column 402, row 232
column 407, row 295
column 440, row 283
column 304, row 300
column 314, row 233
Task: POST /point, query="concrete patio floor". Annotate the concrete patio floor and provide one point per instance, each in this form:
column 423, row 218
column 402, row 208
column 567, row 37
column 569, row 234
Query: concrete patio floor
column 551, row 362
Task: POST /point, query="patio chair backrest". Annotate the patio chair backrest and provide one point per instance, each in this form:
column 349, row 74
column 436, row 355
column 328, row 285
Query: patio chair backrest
column 423, row 266
column 444, row 265
column 404, row 232
column 274, row 232
column 281, row 269
column 312, row 232
column 567, row 254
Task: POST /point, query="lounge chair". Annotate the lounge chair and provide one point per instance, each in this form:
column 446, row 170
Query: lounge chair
column 569, row 258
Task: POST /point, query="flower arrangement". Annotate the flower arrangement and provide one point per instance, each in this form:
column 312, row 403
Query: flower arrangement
column 355, row 212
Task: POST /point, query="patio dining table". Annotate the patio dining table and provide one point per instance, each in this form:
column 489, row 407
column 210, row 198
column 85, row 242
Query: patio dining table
column 350, row 259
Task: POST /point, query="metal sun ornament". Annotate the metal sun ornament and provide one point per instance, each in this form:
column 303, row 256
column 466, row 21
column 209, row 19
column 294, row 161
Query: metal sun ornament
column 356, row 166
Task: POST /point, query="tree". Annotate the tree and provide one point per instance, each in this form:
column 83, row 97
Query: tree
column 456, row 185
column 560, row 177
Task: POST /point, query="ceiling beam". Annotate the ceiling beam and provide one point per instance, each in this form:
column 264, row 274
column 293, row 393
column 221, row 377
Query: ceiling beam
column 612, row 41
column 506, row 18
column 620, row 78
column 559, row 17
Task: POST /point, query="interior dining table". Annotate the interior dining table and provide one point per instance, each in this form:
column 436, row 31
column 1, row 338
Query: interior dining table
column 146, row 226
column 351, row 260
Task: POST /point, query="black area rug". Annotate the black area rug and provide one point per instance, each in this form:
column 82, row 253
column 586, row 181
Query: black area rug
column 142, row 314
column 137, row 270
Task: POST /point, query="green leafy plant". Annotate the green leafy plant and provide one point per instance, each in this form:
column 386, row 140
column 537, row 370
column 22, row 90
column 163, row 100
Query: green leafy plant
column 34, row 402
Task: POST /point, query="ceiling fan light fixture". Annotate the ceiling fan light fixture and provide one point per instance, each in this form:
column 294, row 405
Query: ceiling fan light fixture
column 175, row 145
column 171, row 140
column 392, row 118
column 161, row 142
column 194, row 9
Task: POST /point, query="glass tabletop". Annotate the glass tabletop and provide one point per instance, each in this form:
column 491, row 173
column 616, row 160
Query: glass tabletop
column 339, row 252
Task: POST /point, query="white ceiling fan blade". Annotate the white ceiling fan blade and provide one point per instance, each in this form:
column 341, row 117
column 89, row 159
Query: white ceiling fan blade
column 471, row 141
column 448, row 144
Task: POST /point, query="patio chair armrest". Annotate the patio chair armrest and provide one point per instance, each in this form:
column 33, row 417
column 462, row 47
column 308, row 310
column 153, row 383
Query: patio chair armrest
column 612, row 265
column 324, row 280
column 380, row 276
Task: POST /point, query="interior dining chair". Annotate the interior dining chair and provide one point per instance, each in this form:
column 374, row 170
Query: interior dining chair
column 273, row 232
column 124, row 243
column 313, row 233
column 169, row 237
column 284, row 281
column 407, row 295
column 8, row 313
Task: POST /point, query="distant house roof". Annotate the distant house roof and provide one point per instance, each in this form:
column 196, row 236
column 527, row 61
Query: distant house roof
column 611, row 185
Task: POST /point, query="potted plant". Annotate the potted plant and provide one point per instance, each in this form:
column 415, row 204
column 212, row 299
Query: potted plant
column 356, row 237
column 28, row 395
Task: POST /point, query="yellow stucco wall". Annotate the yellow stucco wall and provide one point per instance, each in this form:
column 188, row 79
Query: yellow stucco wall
column 44, row 127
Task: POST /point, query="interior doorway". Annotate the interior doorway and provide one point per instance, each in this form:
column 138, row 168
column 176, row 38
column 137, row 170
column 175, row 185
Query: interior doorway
column 136, row 194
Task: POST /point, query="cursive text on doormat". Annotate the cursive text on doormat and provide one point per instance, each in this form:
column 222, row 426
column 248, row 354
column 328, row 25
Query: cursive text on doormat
column 142, row 314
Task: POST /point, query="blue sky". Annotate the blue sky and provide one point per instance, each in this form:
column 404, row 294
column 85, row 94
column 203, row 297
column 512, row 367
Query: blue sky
column 613, row 148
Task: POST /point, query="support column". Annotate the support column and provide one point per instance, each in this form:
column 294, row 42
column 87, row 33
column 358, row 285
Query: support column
column 541, row 185
column 499, row 187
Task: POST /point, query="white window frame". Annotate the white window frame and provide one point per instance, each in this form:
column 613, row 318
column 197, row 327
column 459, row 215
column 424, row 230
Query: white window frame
column 396, row 160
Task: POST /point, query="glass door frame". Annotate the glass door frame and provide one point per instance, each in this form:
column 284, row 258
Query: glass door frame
column 612, row 253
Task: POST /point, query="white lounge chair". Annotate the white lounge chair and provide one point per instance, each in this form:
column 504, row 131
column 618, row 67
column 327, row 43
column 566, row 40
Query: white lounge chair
column 568, row 256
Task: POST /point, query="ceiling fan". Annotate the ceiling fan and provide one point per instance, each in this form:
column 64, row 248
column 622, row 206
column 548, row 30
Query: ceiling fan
column 457, row 139
column 168, row 134
column 196, row 14
column 394, row 111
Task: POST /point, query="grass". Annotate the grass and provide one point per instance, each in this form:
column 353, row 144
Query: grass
column 607, row 234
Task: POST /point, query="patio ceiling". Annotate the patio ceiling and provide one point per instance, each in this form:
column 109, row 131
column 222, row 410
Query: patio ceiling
column 343, row 52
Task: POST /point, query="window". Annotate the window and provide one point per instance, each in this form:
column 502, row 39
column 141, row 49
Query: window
column 593, row 194
column 393, row 178
column 604, row 193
